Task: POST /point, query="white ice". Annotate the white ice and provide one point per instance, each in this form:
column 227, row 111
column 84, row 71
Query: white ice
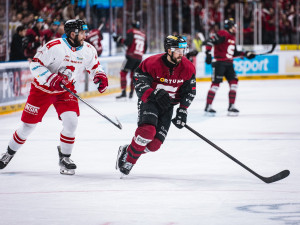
column 187, row 182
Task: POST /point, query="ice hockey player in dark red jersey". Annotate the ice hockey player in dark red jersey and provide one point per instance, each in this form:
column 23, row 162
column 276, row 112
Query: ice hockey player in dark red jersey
column 94, row 38
column 52, row 33
column 161, row 82
column 34, row 38
column 136, row 44
column 225, row 50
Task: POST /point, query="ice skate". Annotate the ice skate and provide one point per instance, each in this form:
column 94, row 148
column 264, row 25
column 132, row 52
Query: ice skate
column 5, row 159
column 131, row 93
column 121, row 163
column 232, row 111
column 122, row 96
column 209, row 111
column 67, row 166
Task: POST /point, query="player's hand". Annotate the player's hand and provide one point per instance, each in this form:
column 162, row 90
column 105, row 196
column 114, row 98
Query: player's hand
column 117, row 38
column 162, row 99
column 57, row 80
column 208, row 58
column 101, row 79
column 180, row 119
column 249, row 55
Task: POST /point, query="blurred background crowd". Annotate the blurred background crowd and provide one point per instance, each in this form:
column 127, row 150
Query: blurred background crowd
column 29, row 24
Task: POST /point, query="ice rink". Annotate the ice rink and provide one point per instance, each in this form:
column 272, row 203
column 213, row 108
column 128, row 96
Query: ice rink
column 187, row 182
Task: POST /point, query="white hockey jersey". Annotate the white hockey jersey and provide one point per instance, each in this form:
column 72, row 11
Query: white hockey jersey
column 59, row 56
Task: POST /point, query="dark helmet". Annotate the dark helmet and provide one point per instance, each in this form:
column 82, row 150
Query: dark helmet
column 74, row 26
column 136, row 24
column 229, row 23
column 174, row 41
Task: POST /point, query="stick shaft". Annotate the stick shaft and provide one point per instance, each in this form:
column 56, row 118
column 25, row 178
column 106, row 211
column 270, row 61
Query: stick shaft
column 92, row 107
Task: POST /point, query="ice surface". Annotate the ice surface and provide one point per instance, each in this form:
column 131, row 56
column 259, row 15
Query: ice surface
column 187, row 182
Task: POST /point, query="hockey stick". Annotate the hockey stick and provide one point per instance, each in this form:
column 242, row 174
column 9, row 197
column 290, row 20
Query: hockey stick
column 279, row 176
column 118, row 124
column 268, row 52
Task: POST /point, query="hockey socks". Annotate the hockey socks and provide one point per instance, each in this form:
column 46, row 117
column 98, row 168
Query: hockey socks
column 144, row 134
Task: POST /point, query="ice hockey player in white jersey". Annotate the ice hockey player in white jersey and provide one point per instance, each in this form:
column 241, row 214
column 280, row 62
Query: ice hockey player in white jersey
column 59, row 62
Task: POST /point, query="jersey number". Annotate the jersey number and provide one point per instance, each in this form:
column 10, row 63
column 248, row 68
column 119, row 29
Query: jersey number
column 139, row 45
column 230, row 51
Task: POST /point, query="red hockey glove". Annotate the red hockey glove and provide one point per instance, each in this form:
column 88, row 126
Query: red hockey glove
column 180, row 119
column 101, row 79
column 57, row 80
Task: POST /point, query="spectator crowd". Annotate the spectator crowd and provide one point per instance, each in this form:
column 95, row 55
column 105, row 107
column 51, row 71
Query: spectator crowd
column 32, row 23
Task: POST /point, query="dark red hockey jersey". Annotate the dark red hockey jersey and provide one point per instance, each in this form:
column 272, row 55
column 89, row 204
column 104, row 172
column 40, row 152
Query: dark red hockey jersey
column 136, row 43
column 156, row 72
column 225, row 50
column 94, row 38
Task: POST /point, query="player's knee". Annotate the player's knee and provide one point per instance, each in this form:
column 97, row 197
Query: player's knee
column 233, row 85
column 154, row 145
column 70, row 122
column 26, row 129
column 144, row 134
column 214, row 87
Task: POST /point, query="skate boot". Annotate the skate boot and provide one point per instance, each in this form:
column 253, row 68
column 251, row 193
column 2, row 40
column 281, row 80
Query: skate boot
column 131, row 94
column 232, row 111
column 122, row 96
column 5, row 159
column 67, row 166
column 121, row 163
column 209, row 111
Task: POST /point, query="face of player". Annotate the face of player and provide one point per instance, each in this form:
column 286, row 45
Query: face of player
column 232, row 29
column 177, row 55
column 80, row 37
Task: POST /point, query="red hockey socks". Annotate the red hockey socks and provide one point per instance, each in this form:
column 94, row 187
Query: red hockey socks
column 211, row 93
column 144, row 134
column 232, row 92
column 123, row 75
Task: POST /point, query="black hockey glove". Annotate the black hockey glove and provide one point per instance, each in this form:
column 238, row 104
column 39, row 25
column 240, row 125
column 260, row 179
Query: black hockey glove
column 249, row 55
column 180, row 119
column 117, row 38
column 162, row 98
column 208, row 58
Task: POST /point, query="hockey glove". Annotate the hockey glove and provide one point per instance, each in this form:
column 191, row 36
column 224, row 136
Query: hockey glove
column 208, row 58
column 57, row 80
column 101, row 79
column 117, row 38
column 249, row 55
column 180, row 120
column 162, row 98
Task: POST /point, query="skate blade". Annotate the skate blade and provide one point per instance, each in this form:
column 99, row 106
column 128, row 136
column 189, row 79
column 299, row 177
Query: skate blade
column 209, row 114
column 67, row 171
column 232, row 114
column 122, row 175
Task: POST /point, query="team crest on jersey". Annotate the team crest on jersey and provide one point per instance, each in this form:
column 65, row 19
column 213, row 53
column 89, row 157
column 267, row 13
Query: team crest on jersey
column 170, row 81
column 34, row 110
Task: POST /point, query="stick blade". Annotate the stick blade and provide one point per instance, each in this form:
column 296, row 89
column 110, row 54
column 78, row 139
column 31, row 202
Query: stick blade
column 279, row 176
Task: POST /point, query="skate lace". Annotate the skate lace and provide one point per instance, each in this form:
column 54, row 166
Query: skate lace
column 6, row 157
column 67, row 160
column 128, row 165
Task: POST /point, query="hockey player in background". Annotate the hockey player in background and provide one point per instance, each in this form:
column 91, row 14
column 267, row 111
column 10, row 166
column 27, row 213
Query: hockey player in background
column 136, row 44
column 59, row 62
column 94, row 38
column 161, row 82
column 224, row 52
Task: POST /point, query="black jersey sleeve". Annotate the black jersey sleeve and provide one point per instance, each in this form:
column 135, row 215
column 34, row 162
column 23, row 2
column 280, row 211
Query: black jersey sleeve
column 188, row 92
column 214, row 39
column 142, row 82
